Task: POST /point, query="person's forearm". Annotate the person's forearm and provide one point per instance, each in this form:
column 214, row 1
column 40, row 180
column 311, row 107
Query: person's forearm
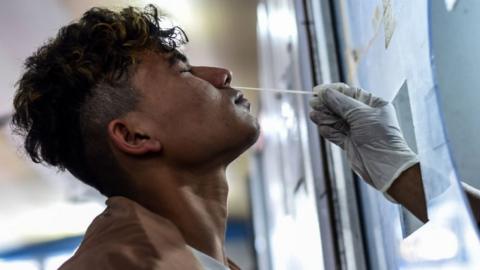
column 408, row 191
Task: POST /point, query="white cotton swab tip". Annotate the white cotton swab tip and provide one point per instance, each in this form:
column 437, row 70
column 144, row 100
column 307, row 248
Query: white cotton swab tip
column 299, row 92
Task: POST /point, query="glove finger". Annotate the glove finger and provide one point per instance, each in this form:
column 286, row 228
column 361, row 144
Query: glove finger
column 340, row 104
column 334, row 86
column 342, row 126
column 333, row 135
column 365, row 97
column 331, row 127
column 316, row 103
column 353, row 92
column 324, row 117
column 320, row 89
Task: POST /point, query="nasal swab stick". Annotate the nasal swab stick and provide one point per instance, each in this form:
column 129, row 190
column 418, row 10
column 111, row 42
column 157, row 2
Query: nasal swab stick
column 275, row 90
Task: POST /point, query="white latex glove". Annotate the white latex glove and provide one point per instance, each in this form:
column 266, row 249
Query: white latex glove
column 366, row 127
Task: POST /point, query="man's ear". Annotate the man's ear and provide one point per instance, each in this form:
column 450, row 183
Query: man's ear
column 131, row 141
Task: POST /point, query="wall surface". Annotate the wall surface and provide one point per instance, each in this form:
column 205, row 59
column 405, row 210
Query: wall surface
column 456, row 57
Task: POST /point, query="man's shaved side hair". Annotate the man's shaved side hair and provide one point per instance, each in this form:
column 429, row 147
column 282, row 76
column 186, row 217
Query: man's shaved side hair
column 78, row 82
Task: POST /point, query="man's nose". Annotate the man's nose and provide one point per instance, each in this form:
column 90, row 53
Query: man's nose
column 218, row 77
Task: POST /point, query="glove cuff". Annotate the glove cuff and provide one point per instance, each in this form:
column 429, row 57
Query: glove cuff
column 399, row 171
column 395, row 176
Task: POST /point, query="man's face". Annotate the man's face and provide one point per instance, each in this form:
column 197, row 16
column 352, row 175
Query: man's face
column 192, row 110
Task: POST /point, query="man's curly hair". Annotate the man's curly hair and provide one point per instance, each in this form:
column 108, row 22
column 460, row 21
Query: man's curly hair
column 78, row 82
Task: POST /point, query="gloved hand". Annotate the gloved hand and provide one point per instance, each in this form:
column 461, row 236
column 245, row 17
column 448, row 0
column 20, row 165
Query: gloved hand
column 366, row 127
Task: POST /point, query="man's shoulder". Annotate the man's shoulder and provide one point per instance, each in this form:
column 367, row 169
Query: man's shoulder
column 111, row 256
column 130, row 257
column 128, row 236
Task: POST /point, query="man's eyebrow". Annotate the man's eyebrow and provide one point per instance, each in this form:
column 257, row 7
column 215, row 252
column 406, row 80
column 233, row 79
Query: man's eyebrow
column 176, row 57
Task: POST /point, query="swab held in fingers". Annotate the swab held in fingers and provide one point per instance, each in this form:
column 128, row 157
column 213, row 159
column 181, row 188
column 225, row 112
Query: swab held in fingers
column 300, row 92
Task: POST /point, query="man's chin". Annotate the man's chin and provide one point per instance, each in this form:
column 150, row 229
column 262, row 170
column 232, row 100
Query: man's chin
column 249, row 137
column 253, row 134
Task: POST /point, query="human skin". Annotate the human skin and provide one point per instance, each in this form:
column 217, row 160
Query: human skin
column 408, row 191
column 175, row 146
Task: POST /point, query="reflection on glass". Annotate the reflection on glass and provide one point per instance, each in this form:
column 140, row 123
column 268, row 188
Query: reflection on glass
column 435, row 244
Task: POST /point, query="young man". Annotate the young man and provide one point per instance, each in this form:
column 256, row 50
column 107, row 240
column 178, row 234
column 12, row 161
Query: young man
column 114, row 102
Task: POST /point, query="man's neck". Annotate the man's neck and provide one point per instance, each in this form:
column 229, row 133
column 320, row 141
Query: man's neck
column 196, row 202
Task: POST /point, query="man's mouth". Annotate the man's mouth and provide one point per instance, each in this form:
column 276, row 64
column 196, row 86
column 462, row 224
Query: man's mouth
column 240, row 100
